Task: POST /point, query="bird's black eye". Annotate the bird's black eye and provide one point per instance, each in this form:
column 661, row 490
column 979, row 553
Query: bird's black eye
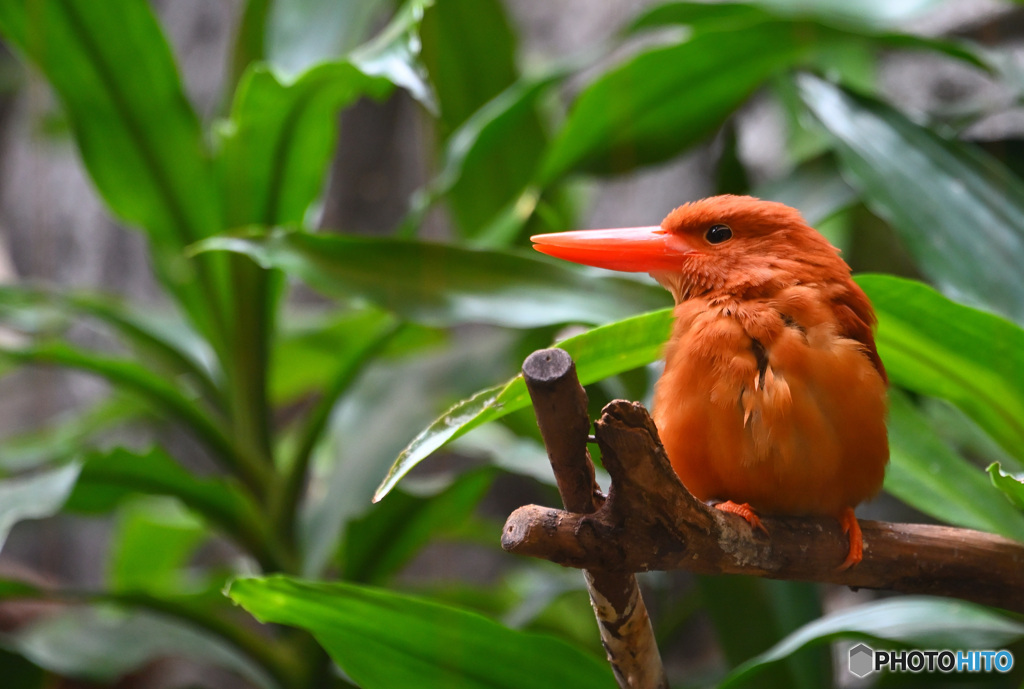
column 717, row 234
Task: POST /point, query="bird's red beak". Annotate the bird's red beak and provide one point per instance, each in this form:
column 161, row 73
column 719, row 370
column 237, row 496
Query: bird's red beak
column 631, row 249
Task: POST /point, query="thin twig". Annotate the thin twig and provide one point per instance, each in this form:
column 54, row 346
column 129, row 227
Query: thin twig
column 560, row 404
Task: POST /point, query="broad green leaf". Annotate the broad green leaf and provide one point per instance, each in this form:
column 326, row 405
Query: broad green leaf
column 379, row 543
column 135, row 565
column 862, row 16
column 35, row 496
column 927, row 475
column 107, row 478
column 302, row 33
column 136, row 378
column 469, row 50
column 958, row 211
column 61, row 439
column 164, row 342
column 1010, row 485
column 280, row 137
column 470, row 150
column 394, row 54
column 102, row 644
column 933, row 346
column 914, row 621
column 668, row 98
column 390, row 401
column 439, row 646
column 441, row 284
column 599, row 353
column 307, row 355
column 136, row 132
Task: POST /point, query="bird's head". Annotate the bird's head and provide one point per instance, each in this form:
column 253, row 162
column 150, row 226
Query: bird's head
column 738, row 245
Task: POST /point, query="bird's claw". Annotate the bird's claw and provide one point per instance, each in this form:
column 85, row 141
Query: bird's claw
column 744, row 510
column 850, row 525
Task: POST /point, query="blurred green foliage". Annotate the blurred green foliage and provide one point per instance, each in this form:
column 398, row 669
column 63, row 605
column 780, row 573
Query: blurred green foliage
column 305, row 410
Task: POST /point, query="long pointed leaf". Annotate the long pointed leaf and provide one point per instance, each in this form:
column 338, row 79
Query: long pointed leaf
column 911, row 620
column 173, row 347
column 136, row 132
column 598, row 353
column 441, row 284
column 108, row 477
column 926, row 474
column 155, row 389
column 34, row 497
column 958, row 211
column 934, row 346
column 439, row 646
column 668, row 98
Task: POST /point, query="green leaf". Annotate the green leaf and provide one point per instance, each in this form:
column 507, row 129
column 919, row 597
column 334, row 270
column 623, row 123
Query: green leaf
column 958, row 211
column 36, row 496
column 275, row 148
column 599, row 353
column 864, row 15
column 927, row 475
column 386, row 405
column 668, row 98
column 135, row 378
column 914, row 621
column 378, row 544
column 59, row 441
column 135, row 565
column 250, row 39
column 166, row 343
column 936, row 347
column 103, row 644
column 469, row 50
column 303, row 33
column 307, row 356
column 439, row 646
column 137, row 133
column 469, row 67
column 109, row 477
column 441, row 284
column 1010, row 485
column 394, row 54
column 470, row 151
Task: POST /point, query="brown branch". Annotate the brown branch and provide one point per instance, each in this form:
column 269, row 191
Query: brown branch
column 651, row 522
column 560, row 404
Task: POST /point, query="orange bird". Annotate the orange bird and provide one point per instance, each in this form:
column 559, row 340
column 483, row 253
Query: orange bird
column 773, row 398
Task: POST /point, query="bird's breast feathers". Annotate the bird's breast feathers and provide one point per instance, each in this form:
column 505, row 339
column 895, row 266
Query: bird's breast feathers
column 771, row 401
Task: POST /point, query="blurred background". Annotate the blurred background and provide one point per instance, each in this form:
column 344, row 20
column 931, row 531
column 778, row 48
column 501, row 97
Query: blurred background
column 59, row 235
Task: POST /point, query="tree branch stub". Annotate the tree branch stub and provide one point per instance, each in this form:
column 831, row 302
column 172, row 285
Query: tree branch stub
column 560, row 404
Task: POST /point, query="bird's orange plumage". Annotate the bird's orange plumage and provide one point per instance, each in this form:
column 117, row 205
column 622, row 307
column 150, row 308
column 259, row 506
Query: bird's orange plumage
column 773, row 394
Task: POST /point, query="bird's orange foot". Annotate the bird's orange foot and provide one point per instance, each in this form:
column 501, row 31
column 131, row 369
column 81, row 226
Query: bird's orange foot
column 744, row 510
column 849, row 524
